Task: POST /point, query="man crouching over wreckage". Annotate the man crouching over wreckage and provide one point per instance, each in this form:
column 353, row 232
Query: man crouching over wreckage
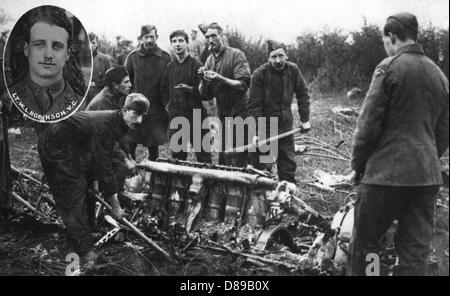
column 76, row 156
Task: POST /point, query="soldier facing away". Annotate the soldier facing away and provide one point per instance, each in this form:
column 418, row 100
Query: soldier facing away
column 401, row 133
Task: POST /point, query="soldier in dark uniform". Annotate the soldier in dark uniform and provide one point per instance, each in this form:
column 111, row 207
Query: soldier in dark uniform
column 146, row 66
column 401, row 133
column 182, row 82
column 102, row 63
column 272, row 90
column 43, row 94
column 77, row 154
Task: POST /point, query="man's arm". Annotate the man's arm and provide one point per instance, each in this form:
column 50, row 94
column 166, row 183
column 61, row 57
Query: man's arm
column 130, row 69
column 303, row 99
column 164, row 88
column 256, row 96
column 241, row 75
column 204, row 86
column 102, row 149
column 370, row 121
column 442, row 131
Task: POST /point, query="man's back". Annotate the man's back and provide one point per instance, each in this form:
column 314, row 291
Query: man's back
column 106, row 100
column 415, row 127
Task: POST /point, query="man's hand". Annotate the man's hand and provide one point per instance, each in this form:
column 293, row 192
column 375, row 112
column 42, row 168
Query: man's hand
column 201, row 71
column 213, row 76
column 255, row 140
column 130, row 164
column 117, row 212
column 96, row 187
column 353, row 177
column 305, row 127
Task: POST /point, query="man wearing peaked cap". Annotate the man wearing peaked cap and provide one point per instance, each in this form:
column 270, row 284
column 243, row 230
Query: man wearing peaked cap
column 272, row 90
column 146, row 67
column 400, row 135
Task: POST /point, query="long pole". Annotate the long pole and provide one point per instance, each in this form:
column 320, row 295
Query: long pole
column 136, row 230
column 265, row 142
column 47, row 199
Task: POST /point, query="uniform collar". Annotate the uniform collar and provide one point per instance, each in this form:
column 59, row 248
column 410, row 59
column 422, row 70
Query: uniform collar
column 112, row 93
column 157, row 51
column 411, row 48
column 54, row 89
column 278, row 71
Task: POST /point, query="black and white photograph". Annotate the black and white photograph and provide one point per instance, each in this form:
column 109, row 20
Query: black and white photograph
column 47, row 64
column 232, row 145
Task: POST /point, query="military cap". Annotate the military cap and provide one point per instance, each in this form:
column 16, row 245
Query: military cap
column 137, row 102
column 203, row 28
column 146, row 30
column 273, row 45
column 115, row 74
column 92, row 36
column 408, row 20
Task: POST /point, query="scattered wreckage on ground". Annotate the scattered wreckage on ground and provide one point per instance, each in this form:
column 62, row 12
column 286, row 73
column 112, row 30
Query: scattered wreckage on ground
column 185, row 206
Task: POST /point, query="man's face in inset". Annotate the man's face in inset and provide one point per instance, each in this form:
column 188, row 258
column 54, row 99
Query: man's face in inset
column 132, row 118
column 47, row 52
column 149, row 40
column 179, row 45
column 214, row 39
column 124, row 86
column 278, row 58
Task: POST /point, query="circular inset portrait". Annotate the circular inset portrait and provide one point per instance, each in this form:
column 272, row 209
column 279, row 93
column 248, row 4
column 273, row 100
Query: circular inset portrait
column 47, row 64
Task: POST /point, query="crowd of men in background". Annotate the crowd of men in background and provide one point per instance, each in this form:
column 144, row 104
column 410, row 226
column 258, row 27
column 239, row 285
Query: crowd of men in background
column 401, row 119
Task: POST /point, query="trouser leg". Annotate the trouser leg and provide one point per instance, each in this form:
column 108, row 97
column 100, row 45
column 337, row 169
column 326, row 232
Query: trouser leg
column 286, row 164
column 69, row 184
column 415, row 230
column 202, row 155
column 76, row 217
column 120, row 173
column 374, row 213
column 236, row 159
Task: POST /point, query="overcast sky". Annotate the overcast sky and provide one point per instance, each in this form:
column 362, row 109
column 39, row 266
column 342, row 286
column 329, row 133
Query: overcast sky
column 282, row 20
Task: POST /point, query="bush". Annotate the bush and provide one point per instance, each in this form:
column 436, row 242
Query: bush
column 254, row 50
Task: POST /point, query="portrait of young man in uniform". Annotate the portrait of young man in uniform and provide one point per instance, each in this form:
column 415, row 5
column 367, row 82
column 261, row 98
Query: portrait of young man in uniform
column 42, row 93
